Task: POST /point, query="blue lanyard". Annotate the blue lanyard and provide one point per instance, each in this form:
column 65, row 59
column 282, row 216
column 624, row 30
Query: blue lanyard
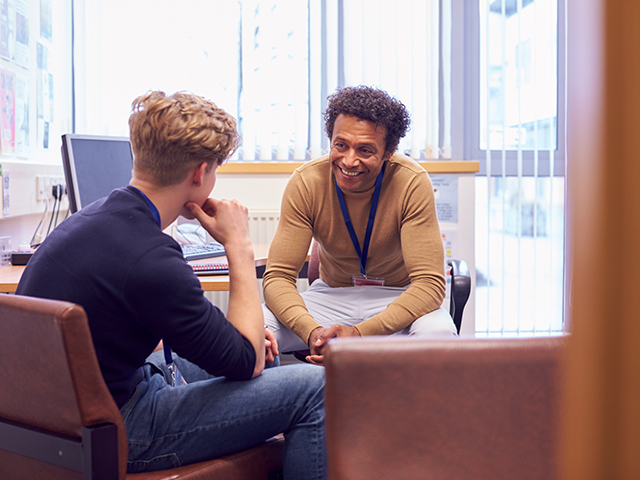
column 152, row 207
column 362, row 255
column 167, row 349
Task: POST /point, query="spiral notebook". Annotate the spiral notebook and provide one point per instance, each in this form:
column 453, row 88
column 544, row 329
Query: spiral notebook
column 211, row 269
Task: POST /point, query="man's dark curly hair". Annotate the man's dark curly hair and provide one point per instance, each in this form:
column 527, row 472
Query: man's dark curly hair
column 370, row 104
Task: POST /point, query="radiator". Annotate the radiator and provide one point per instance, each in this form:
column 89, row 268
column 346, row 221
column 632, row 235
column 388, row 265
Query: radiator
column 262, row 227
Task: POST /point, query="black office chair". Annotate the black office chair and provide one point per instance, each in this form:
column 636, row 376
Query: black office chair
column 460, row 289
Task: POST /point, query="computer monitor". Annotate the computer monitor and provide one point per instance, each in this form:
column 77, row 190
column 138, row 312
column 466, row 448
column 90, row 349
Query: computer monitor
column 94, row 166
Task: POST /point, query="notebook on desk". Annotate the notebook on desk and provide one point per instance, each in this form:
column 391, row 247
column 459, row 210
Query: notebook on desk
column 211, row 269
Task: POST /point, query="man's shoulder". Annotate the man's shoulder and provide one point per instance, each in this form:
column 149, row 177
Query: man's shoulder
column 405, row 164
column 317, row 166
column 407, row 178
column 312, row 175
column 118, row 199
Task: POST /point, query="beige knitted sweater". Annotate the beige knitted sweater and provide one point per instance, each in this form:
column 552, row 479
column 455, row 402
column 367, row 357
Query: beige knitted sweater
column 406, row 246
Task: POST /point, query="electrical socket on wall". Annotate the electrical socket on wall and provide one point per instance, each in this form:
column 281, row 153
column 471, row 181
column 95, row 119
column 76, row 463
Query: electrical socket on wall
column 44, row 184
column 41, row 187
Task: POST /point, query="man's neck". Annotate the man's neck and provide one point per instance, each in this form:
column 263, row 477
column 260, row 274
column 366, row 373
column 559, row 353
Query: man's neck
column 165, row 199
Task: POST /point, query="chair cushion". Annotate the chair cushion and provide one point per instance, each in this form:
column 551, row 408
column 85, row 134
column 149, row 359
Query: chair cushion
column 250, row 464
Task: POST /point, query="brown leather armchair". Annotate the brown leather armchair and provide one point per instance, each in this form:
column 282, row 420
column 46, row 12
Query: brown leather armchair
column 57, row 417
column 454, row 408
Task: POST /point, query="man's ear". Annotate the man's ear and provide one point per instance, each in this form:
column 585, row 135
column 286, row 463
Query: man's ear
column 198, row 174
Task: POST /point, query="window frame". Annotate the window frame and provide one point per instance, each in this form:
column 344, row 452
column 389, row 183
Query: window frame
column 471, row 144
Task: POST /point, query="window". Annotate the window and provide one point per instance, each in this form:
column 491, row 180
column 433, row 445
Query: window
column 269, row 63
column 516, row 108
column 404, row 47
column 250, row 57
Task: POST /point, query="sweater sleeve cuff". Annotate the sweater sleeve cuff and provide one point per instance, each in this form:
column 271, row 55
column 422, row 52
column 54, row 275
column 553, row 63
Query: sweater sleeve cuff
column 304, row 327
column 369, row 327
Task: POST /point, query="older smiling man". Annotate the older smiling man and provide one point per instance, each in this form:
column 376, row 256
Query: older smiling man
column 373, row 215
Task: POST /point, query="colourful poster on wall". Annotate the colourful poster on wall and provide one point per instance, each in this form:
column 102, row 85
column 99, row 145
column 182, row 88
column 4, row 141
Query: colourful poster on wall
column 7, row 112
column 445, row 191
column 22, row 115
column 22, row 33
column 7, row 29
column 46, row 19
column 44, row 95
column 4, row 28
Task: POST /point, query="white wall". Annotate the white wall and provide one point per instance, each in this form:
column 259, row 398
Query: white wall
column 255, row 191
column 25, row 210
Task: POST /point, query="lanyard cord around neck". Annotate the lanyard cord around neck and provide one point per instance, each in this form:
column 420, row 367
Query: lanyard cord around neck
column 372, row 215
column 152, row 207
column 156, row 215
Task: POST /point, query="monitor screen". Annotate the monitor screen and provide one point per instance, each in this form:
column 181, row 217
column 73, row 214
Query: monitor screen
column 94, row 166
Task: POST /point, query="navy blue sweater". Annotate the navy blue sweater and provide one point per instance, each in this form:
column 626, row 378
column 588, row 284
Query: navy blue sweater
column 132, row 280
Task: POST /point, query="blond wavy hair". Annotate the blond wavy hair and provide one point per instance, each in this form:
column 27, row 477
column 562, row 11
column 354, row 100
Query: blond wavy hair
column 172, row 134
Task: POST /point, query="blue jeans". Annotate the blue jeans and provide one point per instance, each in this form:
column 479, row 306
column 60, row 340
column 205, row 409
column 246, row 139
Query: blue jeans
column 212, row 416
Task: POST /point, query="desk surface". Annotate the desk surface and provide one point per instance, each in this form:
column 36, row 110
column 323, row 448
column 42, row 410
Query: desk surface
column 10, row 276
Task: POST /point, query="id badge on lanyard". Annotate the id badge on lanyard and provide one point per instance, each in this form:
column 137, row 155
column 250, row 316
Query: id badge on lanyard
column 363, row 279
column 176, row 376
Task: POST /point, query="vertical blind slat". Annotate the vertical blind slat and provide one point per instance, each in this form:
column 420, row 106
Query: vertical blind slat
column 446, row 79
column 488, row 160
column 503, row 67
column 315, row 78
column 535, row 170
column 519, row 223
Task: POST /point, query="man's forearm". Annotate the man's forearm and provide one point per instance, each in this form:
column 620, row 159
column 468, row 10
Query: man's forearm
column 283, row 299
column 245, row 310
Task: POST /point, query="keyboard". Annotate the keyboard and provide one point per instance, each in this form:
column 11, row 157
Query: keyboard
column 196, row 251
column 211, row 269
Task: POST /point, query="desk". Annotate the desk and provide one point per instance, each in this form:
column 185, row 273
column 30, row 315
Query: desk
column 220, row 283
column 10, row 276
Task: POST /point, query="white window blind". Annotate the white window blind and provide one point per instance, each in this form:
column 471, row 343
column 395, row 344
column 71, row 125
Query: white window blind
column 123, row 49
column 250, row 57
column 270, row 63
column 274, row 88
column 519, row 215
column 397, row 46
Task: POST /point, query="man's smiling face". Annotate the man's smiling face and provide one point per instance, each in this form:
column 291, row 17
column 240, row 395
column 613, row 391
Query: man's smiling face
column 357, row 152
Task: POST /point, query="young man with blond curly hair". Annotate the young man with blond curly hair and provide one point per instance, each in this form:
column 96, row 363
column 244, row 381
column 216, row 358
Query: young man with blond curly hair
column 113, row 259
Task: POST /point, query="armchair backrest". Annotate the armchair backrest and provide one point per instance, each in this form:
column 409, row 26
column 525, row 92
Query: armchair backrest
column 432, row 409
column 50, row 378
